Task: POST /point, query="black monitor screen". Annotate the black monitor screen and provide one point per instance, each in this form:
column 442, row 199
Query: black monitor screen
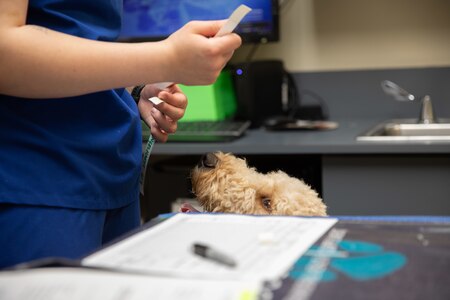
column 150, row 20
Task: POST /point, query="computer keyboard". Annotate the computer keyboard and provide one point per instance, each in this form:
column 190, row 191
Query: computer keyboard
column 207, row 131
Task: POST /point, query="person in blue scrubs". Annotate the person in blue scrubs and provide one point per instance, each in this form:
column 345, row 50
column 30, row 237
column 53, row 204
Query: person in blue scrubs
column 70, row 135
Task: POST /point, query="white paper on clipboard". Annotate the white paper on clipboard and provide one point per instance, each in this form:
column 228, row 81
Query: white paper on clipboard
column 165, row 249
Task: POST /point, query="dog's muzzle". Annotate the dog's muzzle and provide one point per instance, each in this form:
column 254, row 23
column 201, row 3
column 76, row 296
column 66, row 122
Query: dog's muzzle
column 209, row 160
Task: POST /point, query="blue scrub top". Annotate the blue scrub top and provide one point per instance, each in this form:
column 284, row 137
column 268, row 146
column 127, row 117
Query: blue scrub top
column 81, row 152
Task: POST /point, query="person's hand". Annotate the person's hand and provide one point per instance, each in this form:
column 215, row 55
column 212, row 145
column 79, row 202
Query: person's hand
column 197, row 56
column 162, row 118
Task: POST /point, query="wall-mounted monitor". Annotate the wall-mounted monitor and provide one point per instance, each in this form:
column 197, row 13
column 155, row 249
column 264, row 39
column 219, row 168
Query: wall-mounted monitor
column 152, row 20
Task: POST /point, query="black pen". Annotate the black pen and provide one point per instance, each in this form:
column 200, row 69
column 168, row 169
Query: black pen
column 212, row 254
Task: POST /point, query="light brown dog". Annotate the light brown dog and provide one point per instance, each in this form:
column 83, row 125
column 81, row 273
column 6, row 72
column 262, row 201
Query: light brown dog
column 224, row 183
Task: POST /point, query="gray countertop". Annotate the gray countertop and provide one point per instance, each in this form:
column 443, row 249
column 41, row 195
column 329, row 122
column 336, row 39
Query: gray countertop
column 338, row 141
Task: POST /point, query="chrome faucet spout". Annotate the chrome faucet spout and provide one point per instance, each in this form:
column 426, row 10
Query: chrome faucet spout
column 426, row 112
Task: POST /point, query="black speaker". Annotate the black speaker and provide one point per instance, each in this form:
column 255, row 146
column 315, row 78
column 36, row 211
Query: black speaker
column 258, row 87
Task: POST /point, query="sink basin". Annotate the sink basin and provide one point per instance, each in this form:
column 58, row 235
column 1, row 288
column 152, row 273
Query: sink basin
column 407, row 130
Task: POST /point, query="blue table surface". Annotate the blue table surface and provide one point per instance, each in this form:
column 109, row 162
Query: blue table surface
column 416, row 218
column 438, row 219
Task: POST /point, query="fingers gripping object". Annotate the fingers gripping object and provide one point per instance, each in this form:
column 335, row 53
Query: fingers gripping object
column 232, row 22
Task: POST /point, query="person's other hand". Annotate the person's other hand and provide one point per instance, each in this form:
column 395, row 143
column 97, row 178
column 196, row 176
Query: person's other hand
column 197, row 56
column 162, row 118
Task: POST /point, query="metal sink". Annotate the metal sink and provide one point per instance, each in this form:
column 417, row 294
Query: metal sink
column 407, row 130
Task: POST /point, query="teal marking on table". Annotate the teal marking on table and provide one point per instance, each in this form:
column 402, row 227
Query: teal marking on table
column 365, row 261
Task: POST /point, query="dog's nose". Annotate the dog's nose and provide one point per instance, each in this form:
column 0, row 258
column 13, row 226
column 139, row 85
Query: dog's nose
column 209, row 160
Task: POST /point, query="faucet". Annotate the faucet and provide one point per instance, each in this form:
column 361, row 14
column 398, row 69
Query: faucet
column 426, row 111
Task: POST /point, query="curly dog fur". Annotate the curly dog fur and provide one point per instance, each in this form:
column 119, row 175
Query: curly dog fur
column 223, row 182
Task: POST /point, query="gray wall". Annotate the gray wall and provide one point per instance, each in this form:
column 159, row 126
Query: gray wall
column 357, row 94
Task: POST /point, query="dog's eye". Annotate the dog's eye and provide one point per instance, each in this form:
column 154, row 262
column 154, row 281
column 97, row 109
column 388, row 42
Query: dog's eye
column 266, row 203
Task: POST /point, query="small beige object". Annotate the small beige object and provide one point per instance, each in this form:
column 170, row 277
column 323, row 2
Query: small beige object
column 266, row 238
column 155, row 100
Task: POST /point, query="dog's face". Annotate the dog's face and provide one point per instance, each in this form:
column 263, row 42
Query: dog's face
column 224, row 183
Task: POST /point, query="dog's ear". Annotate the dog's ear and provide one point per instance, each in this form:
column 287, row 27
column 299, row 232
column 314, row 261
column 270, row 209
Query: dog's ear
column 293, row 196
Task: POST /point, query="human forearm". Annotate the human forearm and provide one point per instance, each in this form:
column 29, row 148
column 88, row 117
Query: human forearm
column 39, row 63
